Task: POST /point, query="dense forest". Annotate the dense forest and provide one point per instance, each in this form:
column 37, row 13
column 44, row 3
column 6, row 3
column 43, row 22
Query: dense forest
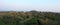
column 29, row 18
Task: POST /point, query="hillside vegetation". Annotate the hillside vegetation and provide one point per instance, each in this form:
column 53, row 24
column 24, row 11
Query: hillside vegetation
column 29, row 18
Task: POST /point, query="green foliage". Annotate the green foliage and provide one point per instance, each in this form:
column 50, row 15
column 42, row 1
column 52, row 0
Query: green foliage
column 30, row 18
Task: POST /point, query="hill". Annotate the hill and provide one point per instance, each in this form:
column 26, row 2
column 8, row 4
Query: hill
column 29, row 18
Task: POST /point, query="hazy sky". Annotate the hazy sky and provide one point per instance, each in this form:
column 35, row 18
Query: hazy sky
column 26, row 5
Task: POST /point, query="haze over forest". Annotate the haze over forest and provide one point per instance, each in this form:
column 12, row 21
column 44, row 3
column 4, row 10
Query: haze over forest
column 29, row 12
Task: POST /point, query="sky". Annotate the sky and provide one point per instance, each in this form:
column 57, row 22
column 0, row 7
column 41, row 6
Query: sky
column 27, row 5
